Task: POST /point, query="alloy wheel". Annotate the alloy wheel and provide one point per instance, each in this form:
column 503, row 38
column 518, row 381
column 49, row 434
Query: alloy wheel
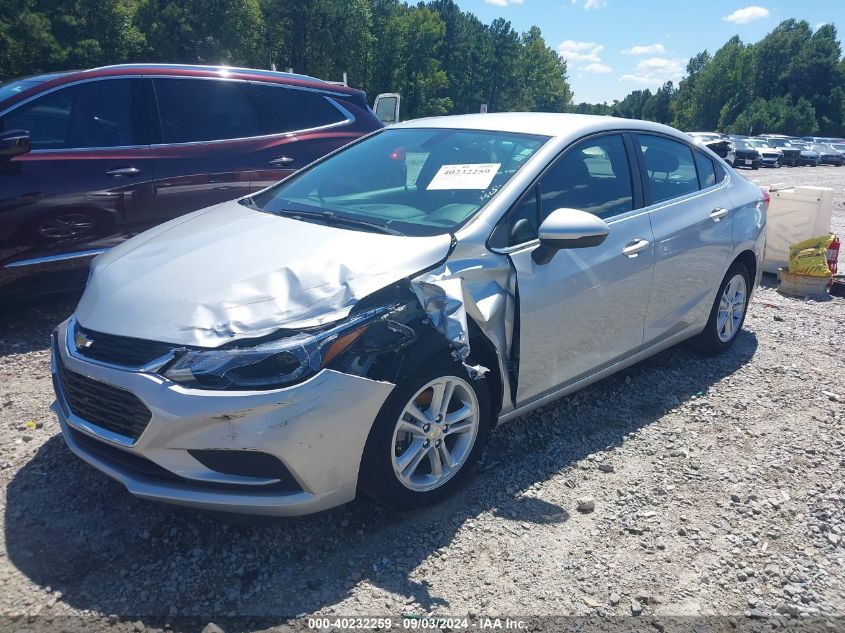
column 435, row 433
column 731, row 308
column 66, row 226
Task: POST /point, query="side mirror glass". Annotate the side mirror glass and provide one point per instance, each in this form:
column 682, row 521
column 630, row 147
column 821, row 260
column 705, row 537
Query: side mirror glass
column 14, row 143
column 568, row 228
column 386, row 107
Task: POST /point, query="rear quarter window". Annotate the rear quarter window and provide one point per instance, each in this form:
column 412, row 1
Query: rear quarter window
column 289, row 110
column 706, row 170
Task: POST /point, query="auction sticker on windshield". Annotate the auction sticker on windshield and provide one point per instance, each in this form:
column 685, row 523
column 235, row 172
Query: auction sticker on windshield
column 474, row 176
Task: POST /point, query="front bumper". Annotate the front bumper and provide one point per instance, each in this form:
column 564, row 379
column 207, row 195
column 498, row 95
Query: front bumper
column 317, row 429
column 831, row 160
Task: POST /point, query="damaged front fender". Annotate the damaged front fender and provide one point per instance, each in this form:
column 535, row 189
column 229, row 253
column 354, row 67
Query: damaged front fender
column 477, row 285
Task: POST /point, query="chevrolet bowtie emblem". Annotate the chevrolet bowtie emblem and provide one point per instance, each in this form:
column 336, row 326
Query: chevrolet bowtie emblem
column 81, row 340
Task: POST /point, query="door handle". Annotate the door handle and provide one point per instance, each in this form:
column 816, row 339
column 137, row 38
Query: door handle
column 718, row 214
column 123, row 172
column 281, row 161
column 632, row 249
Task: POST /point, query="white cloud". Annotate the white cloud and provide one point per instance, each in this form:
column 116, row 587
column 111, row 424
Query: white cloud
column 656, row 71
column 583, row 56
column 503, row 3
column 746, row 15
column 580, row 52
column 592, row 4
column 645, row 49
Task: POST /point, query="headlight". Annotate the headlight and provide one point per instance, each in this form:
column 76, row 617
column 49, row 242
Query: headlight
column 273, row 364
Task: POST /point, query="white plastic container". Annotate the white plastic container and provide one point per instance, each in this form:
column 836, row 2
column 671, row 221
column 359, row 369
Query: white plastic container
column 795, row 214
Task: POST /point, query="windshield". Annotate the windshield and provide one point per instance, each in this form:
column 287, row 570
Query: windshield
column 740, row 144
column 16, row 86
column 408, row 181
column 820, row 147
column 760, row 144
column 798, row 145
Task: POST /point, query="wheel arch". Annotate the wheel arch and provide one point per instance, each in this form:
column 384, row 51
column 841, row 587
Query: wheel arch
column 749, row 260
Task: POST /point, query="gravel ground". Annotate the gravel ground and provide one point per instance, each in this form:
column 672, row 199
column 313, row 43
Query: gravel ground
column 716, row 487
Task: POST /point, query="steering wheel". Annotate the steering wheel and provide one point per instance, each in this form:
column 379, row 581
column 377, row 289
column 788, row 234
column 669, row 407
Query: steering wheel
column 338, row 186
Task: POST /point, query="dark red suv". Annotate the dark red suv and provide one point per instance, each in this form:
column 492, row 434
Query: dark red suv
column 89, row 158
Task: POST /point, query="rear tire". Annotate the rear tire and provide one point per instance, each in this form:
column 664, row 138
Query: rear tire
column 65, row 226
column 727, row 315
column 419, row 453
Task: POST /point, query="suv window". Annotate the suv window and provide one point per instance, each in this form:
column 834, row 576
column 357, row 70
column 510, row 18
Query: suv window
column 83, row 116
column 196, row 110
column 670, row 167
column 288, row 110
column 592, row 176
column 706, row 170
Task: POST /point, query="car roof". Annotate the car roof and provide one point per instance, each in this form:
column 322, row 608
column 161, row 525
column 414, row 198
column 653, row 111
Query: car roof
column 552, row 124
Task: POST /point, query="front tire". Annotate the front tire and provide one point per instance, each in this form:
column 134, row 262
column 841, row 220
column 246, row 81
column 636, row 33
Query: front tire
column 427, row 437
column 727, row 315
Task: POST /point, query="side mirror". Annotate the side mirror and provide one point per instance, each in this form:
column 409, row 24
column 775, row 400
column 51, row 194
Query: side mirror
column 568, row 228
column 386, row 107
column 14, row 143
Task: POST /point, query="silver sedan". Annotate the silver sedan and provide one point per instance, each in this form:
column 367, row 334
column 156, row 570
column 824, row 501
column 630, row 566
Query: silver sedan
column 341, row 332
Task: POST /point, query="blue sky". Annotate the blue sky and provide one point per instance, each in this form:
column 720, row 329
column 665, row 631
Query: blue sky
column 615, row 46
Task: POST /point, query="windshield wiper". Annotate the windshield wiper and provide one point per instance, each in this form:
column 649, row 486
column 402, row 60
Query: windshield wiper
column 331, row 218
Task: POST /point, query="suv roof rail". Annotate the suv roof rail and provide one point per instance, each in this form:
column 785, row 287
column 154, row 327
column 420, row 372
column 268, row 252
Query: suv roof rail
column 235, row 69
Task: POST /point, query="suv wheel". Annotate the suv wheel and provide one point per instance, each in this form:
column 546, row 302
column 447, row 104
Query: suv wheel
column 427, row 436
column 65, row 226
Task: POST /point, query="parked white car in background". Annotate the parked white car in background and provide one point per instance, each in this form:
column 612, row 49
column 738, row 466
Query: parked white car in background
column 279, row 353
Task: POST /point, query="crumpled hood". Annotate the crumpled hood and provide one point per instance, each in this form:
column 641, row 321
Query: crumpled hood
column 229, row 272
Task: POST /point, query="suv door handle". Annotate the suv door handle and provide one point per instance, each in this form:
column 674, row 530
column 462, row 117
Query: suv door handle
column 718, row 214
column 281, row 161
column 632, row 249
column 123, row 172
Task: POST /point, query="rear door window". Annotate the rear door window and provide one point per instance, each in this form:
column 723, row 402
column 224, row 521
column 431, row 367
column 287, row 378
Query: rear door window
column 87, row 115
column 289, row 109
column 670, row 168
column 197, row 110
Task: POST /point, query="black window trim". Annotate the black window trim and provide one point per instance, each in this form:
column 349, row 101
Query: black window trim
column 636, row 186
column 348, row 119
column 70, row 84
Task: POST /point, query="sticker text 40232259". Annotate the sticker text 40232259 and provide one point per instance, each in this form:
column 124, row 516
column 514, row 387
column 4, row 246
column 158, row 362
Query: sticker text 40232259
column 469, row 176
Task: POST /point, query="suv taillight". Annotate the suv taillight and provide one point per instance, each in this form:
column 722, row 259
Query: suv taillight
column 767, row 198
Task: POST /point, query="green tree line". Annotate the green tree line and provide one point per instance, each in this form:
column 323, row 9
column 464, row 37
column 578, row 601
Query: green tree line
column 441, row 59
column 790, row 82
